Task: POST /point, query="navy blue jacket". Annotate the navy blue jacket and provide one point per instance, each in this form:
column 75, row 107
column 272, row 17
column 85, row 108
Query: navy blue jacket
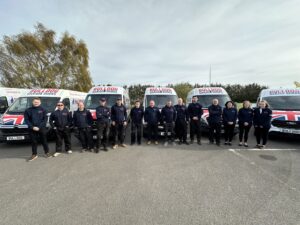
column 60, row 118
column 152, row 115
column 245, row 116
column 215, row 114
column 262, row 119
column 102, row 114
column 136, row 115
column 168, row 114
column 82, row 119
column 182, row 112
column 229, row 115
column 118, row 113
column 195, row 110
column 35, row 117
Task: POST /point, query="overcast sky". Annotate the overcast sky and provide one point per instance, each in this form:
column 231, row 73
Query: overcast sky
column 169, row 41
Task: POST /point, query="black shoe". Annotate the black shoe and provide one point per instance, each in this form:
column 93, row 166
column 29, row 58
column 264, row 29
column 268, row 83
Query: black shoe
column 229, row 144
column 199, row 142
column 105, row 148
column 185, row 142
column 96, row 150
column 225, row 143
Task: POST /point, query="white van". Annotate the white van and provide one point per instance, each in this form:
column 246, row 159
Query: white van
column 110, row 93
column 12, row 124
column 205, row 96
column 285, row 105
column 160, row 95
column 8, row 96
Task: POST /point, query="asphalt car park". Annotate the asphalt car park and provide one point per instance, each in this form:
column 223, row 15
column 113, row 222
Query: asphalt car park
column 153, row 185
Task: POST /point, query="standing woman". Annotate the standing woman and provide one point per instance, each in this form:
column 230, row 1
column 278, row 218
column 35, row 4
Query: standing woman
column 262, row 123
column 245, row 117
column 229, row 121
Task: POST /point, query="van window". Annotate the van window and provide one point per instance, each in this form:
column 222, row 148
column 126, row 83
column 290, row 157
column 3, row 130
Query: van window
column 92, row 101
column 284, row 102
column 23, row 103
column 161, row 100
column 3, row 104
column 66, row 102
column 206, row 100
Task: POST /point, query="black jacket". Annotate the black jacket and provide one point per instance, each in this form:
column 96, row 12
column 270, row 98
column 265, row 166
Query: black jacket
column 60, row 118
column 118, row 113
column 102, row 114
column 262, row 119
column 229, row 115
column 152, row 115
column 35, row 117
column 195, row 110
column 182, row 112
column 245, row 116
column 136, row 115
column 82, row 119
column 168, row 114
column 215, row 114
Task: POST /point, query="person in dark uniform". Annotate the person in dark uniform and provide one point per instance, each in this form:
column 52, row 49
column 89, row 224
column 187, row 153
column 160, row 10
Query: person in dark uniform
column 168, row 117
column 262, row 123
column 214, row 121
column 36, row 118
column 152, row 118
column 136, row 116
column 181, row 122
column 103, row 117
column 229, row 121
column 83, row 121
column 245, row 118
column 61, row 121
column 119, row 123
column 195, row 112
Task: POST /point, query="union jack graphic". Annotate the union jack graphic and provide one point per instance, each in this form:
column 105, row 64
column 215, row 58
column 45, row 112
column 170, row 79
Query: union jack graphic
column 13, row 119
column 286, row 115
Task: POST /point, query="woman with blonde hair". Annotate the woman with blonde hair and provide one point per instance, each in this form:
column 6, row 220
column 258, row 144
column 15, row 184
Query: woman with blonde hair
column 262, row 123
column 245, row 118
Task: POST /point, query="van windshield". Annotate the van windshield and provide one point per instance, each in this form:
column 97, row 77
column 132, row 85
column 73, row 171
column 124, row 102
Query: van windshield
column 23, row 103
column 284, row 102
column 206, row 100
column 92, row 101
column 3, row 104
column 160, row 100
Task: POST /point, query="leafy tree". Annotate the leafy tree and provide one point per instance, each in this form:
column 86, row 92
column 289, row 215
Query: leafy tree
column 37, row 60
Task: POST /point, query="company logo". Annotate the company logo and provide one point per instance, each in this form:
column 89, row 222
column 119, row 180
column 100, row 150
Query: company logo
column 160, row 91
column 40, row 92
column 210, row 90
column 105, row 89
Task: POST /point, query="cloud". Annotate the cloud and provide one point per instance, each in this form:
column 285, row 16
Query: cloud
column 163, row 42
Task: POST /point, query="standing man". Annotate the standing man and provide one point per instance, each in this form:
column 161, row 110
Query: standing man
column 119, row 122
column 168, row 116
column 152, row 118
column 60, row 121
column 195, row 112
column 181, row 122
column 83, row 120
column 36, row 118
column 136, row 116
column 214, row 121
column 103, row 116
